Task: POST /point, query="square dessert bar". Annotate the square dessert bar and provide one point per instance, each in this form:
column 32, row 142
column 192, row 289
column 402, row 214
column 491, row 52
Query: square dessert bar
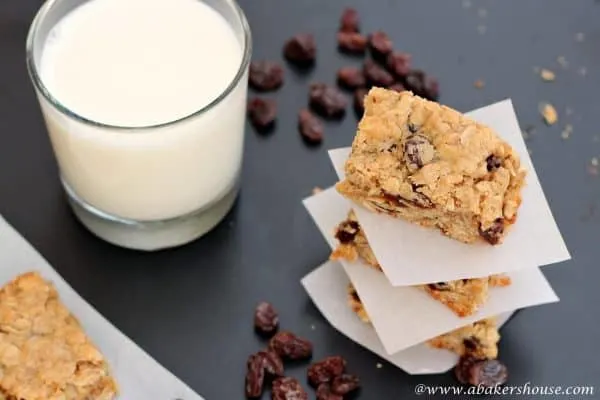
column 44, row 353
column 429, row 164
column 463, row 296
column 479, row 339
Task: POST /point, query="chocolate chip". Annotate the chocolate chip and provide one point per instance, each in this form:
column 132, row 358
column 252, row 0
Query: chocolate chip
column 488, row 373
column 349, row 21
column 310, row 127
column 493, row 234
column 493, row 163
column 418, row 151
column 265, row 75
column 301, row 49
column 412, row 128
column 399, row 63
column 327, row 100
column 377, row 75
column 347, row 231
column 471, row 344
column 439, row 286
column 398, row 201
column 262, row 112
column 359, row 101
column 397, row 87
column 350, row 77
column 381, row 45
column 350, row 42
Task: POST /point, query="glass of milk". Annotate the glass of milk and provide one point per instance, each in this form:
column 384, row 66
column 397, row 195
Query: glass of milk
column 144, row 102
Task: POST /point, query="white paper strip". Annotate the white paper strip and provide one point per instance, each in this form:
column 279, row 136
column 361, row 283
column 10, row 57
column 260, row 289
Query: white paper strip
column 138, row 375
column 434, row 257
column 327, row 285
column 392, row 309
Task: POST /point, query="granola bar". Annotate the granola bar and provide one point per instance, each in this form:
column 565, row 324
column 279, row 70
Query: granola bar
column 463, row 296
column 44, row 353
column 429, row 164
column 479, row 339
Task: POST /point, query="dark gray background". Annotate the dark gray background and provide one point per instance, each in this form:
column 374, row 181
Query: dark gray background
column 191, row 308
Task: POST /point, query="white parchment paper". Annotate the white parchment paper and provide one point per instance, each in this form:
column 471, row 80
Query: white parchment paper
column 410, row 254
column 391, row 309
column 138, row 375
column 327, row 285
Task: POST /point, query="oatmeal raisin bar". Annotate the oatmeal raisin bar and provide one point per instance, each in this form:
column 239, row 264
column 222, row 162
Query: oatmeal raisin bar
column 463, row 296
column 479, row 339
column 44, row 353
column 429, row 164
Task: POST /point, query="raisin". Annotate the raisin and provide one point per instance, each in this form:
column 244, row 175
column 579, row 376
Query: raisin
column 359, row 100
column 324, row 393
column 487, row 373
column 272, row 363
column 439, row 286
column 418, row 151
column 350, row 77
column 397, row 87
column 346, row 231
column 351, row 42
column 494, row 233
column 493, row 163
column 265, row 75
column 327, row 100
column 325, row 370
column 301, row 49
column 291, row 347
column 288, row 388
column 422, row 85
column 266, row 319
column 255, row 376
column 461, row 370
column 344, row 384
column 349, row 21
column 432, row 88
column 310, row 127
column 399, row 63
column 381, row 45
column 262, row 112
column 377, row 75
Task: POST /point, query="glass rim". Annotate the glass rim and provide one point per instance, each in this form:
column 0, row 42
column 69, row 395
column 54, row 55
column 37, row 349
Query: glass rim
column 41, row 88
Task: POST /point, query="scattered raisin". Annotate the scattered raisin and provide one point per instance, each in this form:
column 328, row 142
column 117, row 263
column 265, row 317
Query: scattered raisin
column 324, row 393
column 418, row 151
column 493, row 163
column 381, row 45
column 301, row 49
column 272, row 363
column 288, row 388
column 349, row 21
column 344, row 384
column 351, row 42
column 377, row 75
column 325, row 370
column 399, row 63
column 265, row 75
column 255, row 376
column 487, row 373
column 397, row 87
column 432, row 88
column 290, row 347
column 350, row 77
column 439, row 286
column 346, row 231
column 310, row 127
column 422, row 85
column 266, row 320
column 494, row 233
column 262, row 112
column 359, row 100
column 461, row 370
column 327, row 100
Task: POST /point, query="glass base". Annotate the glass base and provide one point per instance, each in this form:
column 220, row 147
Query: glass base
column 151, row 235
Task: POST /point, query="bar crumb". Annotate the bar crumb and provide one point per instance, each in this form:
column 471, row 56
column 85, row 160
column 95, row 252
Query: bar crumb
column 547, row 75
column 479, row 84
column 548, row 113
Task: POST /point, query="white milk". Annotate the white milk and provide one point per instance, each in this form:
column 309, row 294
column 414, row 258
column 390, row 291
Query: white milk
column 136, row 63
